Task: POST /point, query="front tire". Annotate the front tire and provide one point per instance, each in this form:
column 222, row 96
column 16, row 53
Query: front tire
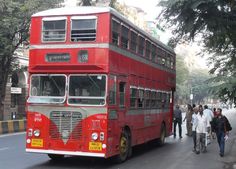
column 56, row 157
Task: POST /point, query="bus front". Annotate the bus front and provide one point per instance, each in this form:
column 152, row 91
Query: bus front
column 67, row 114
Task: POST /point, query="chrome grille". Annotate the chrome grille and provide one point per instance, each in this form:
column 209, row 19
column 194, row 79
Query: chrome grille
column 65, row 125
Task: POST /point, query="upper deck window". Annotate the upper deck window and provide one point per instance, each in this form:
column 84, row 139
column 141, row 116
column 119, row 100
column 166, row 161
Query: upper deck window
column 83, row 28
column 115, row 32
column 153, row 55
column 133, row 45
column 141, row 42
column 148, row 49
column 54, row 29
column 124, row 37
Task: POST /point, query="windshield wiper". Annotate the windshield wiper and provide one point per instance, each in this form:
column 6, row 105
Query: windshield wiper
column 94, row 82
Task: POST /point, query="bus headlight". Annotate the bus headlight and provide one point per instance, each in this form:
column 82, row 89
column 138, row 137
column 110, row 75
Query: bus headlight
column 36, row 133
column 94, row 136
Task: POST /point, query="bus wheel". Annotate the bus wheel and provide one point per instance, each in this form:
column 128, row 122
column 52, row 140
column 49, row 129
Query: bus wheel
column 55, row 157
column 124, row 147
column 161, row 140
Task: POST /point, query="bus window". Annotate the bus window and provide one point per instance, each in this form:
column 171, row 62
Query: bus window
column 54, row 30
column 83, row 30
column 87, row 89
column 148, row 50
column 147, row 98
column 124, row 37
column 112, row 90
column 122, row 94
column 159, row 99
column 141, row 42
column 47, row 89
column 153, row 99
column 115, row 32
column 133, row 97
column 133, row 43
column 163, row 101
column 141, row 99
column 153, row 55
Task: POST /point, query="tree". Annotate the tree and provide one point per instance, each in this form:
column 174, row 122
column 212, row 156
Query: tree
column 14, row 31
column 85, row 3
column 182, row 74
column 214, row 21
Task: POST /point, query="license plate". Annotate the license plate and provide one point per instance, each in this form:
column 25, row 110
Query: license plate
column 37, row 143
column 95, row 146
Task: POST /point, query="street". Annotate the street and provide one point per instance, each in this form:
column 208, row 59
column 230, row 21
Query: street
column 175, row 154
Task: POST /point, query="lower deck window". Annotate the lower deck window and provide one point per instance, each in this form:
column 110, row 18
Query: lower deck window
column 87, row 89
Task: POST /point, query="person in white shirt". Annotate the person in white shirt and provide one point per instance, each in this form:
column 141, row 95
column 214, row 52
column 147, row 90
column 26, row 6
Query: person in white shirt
column 194, row 125
column 202, row 126
column 210, row 115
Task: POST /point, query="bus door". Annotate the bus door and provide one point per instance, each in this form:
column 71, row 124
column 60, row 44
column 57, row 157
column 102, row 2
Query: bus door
column 122, row 98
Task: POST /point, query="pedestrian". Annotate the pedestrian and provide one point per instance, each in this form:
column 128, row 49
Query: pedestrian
column 188, row 118
column 177, row 120
column 221, row 126
column 202, row 126
column 209, row 114
column 194, row 125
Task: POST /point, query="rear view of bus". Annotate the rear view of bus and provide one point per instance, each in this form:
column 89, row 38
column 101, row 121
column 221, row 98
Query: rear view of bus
column 98, row 85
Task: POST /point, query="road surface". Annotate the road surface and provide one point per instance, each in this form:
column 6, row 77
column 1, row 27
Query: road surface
column 175, row 154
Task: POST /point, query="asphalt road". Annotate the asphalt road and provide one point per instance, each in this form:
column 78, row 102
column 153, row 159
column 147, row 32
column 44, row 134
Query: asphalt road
column 175, row 154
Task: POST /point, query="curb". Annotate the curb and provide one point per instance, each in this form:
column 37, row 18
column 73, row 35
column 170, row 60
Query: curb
column 12, row 126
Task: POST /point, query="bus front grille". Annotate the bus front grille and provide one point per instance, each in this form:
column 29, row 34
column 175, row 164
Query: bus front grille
column 65, row 125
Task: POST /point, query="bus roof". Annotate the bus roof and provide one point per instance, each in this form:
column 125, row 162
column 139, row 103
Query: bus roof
column 73, row 11
column 83, row 10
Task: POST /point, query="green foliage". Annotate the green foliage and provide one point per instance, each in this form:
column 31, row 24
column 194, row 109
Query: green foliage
column 182, row 74
column 14, row 31
column 214, row 21
column 85, row 3
column 195, row 79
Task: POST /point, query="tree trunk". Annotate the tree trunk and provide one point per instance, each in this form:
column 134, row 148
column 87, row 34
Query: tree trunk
column 5, row 67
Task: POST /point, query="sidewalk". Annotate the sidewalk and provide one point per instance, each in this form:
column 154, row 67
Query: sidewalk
column 230, row 158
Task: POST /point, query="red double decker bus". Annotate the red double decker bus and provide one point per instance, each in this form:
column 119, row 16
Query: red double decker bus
column 98, row 84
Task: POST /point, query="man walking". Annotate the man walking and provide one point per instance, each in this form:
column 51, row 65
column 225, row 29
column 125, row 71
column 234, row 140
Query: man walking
column 177, row 120
column 209, row 114
column 201, row 130
column 194, row 125
column 221, row 127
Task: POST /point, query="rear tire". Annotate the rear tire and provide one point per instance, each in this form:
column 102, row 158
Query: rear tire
column 161, row 140
column 125, row 150
column 56, row 157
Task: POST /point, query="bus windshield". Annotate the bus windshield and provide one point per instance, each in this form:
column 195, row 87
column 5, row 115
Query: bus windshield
column 47, row 89
column 87, row 89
